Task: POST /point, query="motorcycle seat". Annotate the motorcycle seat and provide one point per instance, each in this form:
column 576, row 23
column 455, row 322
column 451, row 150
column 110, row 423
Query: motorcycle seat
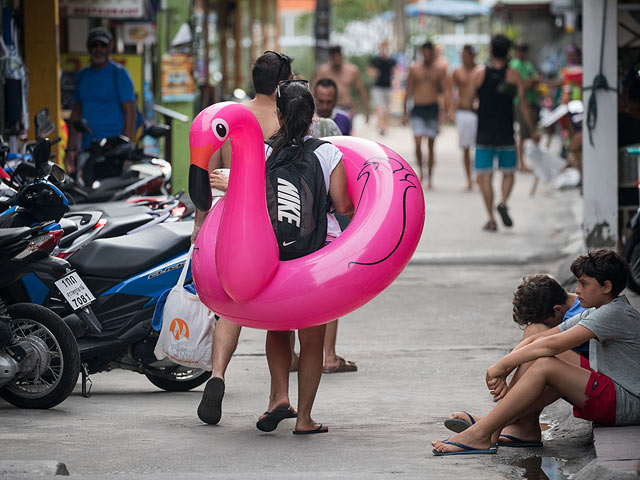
column 117, row 226
column 112, row 209
column 10, row 235
column 125, row 256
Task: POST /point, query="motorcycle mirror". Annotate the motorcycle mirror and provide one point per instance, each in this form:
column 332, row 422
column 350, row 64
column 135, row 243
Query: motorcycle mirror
column 43, row 124
column 82, row 126
column 41, row 153
column 157, row 131
column 57, row 173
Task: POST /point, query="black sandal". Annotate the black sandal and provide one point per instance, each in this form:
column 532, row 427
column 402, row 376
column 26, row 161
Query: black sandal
column 271, row 419
column 490, row 226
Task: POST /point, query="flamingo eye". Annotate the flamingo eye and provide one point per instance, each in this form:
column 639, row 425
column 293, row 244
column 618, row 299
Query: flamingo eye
column 220, row 129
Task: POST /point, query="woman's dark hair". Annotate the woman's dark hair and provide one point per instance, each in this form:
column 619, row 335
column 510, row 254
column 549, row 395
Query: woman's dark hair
column 534, row 299
column 603, row 265
column 296, row 107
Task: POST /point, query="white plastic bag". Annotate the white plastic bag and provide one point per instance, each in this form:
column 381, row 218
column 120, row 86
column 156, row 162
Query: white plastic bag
column 544, row 164
column 186, row 336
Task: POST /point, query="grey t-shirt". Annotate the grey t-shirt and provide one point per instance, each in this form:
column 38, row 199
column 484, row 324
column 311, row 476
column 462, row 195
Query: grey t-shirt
column 324, row 127
column 615, row 352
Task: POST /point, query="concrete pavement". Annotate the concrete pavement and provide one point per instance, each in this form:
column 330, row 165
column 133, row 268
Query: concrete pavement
column 422, row 348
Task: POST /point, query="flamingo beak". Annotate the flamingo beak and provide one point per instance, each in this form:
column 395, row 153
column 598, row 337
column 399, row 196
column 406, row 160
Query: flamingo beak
column 199, row 186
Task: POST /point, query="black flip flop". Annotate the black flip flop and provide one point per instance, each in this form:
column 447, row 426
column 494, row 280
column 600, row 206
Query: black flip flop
column 517, row 443
column 458, row 424
column 210, row 408
column 504, row 215
column 271, row 420
column 320, row 429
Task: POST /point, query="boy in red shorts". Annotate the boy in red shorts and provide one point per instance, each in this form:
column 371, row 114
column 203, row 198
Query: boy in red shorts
column 606, row 391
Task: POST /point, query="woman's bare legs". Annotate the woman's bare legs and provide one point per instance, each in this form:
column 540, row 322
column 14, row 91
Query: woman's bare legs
column 309, row 374
column 278, row 349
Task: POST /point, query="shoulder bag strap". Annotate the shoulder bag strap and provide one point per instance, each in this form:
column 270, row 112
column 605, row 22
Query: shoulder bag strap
column 185, row 269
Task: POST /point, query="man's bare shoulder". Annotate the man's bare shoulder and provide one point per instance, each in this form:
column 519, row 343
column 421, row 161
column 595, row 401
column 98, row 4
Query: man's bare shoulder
column 265, row 112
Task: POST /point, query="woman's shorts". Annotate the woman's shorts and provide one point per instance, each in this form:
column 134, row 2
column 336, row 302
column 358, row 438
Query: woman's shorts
column 600, row 405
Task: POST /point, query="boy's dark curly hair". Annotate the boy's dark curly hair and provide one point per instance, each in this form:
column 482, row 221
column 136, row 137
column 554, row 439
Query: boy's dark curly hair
column 534, row 299
column 603, row 265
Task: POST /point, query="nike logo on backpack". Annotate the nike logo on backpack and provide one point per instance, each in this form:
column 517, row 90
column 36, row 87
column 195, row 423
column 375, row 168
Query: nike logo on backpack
column 286, row 244
column 288, row 202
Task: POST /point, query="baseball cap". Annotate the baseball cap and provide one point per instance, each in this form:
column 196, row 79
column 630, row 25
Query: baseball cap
column 99, row 34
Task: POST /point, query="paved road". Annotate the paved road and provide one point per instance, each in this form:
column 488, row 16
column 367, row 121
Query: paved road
column 422, row 347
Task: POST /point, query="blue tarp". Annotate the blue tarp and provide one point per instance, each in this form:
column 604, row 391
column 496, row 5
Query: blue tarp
column 447, row 8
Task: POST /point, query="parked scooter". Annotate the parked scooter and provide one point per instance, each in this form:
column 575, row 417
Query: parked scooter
column 113, row 168
column 127, row 275
column 39, row 359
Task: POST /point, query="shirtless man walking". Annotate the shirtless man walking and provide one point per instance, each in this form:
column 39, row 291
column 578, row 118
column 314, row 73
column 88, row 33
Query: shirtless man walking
column 267, row 71
column 347, row 76
column 466, row 118
column 425, row 81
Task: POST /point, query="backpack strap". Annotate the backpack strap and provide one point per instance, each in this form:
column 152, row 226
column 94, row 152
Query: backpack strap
column 312, row 144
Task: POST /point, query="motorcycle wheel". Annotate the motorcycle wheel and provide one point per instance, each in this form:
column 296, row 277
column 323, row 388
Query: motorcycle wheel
column 57, row 362
column 179, row 379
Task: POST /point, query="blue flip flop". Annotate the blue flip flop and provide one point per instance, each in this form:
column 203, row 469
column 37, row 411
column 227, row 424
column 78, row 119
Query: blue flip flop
column 457, row 424
column 467, row 450
column 516, row 442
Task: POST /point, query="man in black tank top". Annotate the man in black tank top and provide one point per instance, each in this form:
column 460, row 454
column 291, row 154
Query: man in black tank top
column 495, row 86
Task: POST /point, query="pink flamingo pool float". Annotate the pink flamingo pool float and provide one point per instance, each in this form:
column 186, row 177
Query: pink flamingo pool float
column 235, row 262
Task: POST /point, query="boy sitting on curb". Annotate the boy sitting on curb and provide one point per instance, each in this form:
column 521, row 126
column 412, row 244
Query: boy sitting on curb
column 539, row 303
column 607, row 390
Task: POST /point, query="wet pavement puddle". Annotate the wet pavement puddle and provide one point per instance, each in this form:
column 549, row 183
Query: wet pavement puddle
column 541, row 468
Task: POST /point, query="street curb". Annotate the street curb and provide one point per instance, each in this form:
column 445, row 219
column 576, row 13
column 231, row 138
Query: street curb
column 29, row 469
column 484, row 258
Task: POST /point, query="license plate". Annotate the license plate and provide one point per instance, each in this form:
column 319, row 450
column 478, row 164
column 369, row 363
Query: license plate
column 75, row 291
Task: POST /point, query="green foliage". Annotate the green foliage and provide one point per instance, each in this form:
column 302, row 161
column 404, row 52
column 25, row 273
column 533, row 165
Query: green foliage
column 345, row 11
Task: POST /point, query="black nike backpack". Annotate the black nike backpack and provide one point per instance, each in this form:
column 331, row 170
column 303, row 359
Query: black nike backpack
column 297, row 200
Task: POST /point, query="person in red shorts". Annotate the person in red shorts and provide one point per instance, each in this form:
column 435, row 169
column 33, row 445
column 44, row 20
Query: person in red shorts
column 604, row 390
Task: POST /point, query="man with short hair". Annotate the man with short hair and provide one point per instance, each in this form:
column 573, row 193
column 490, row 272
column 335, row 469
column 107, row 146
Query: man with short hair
column 466, row 118
column 426, row 80
column 347, row 77
column 269, row 69
column 325, row 92
column 103, row 95
column 495, row 85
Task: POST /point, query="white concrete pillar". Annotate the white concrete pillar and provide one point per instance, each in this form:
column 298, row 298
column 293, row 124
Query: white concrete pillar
column 600, row 161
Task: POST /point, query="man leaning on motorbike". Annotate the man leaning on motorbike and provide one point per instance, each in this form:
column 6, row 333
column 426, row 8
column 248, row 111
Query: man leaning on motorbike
column 103, row 95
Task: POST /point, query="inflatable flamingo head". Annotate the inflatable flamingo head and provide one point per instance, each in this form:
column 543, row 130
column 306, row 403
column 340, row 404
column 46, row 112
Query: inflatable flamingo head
column 209, row 130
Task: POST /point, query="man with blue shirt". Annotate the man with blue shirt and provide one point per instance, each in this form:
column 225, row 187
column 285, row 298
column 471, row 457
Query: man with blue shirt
column 103, row 95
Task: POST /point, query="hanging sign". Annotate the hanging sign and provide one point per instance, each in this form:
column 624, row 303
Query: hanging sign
column 177, row 80
column 103, row 8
